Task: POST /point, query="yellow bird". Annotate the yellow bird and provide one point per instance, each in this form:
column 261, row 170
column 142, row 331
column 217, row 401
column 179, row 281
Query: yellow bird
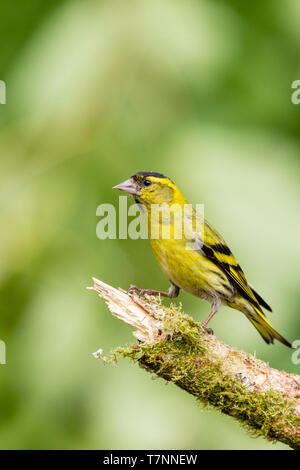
column 192, row 254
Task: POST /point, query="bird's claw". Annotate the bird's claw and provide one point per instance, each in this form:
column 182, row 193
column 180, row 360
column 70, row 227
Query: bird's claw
column 134, row 289
column 209, row 331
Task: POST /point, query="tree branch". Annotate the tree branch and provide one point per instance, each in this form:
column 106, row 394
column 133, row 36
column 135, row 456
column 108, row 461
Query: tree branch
column 175, row 347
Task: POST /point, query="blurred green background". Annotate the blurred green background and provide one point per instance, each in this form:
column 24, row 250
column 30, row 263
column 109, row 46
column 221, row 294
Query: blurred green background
column 97, row 90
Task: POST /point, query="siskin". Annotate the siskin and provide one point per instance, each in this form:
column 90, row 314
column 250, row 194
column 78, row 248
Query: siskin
column 192, row 254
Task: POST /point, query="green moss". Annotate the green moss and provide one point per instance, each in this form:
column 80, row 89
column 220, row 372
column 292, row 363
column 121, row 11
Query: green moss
column 183, row 358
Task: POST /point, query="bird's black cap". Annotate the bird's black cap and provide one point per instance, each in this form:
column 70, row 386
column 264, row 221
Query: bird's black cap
column 150, row 173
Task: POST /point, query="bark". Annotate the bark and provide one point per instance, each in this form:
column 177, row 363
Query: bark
column 175, row 347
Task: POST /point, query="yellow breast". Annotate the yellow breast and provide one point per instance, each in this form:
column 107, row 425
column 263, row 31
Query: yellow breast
column 187, row 268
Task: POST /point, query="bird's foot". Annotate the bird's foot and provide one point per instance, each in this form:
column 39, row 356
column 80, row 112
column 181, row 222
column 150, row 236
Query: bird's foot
column 134, row 289
column 209, row 331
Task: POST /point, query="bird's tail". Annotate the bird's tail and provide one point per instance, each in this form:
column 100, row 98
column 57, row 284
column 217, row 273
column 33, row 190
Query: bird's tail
column 265, row 329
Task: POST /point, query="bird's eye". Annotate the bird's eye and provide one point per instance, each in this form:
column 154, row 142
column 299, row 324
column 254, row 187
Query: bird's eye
column 147, row 182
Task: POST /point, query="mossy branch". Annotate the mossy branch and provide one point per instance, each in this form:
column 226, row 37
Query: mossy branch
column 175, row 347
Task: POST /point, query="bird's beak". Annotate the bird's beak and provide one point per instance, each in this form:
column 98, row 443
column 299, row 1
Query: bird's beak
column 128, row 186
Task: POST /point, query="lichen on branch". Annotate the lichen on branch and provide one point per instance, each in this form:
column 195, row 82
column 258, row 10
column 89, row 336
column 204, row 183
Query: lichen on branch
column 176, row 348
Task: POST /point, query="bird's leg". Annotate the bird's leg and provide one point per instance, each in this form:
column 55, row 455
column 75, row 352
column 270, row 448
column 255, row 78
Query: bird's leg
column 171, row 294
column 209, row 316
column 214, row 310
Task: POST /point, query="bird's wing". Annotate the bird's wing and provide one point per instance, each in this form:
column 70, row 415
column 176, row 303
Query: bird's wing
column 215, row 248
